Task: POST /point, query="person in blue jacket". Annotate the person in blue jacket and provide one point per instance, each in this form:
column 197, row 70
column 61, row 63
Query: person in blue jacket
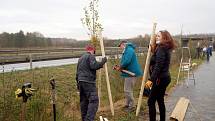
column 208, row 52
column 130, row 63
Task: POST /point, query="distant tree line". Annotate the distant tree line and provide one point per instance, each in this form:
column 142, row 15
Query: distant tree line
column 21, row 40
column 29, row 40
column 37, row 40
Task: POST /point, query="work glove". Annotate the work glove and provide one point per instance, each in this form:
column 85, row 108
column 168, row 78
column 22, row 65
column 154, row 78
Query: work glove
column 147, row 88
column 18, row 93
column 148, row 84
column 104, row 60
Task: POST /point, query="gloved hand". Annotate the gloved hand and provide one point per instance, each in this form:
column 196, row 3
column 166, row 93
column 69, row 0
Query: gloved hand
column 18, row 93
column 148, row 84
column 117, row 67
column 104, row 60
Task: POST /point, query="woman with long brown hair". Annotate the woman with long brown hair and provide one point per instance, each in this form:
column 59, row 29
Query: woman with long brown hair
column 159, row 73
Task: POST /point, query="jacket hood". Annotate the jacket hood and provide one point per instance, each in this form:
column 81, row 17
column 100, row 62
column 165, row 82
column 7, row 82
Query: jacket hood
column 130, row 45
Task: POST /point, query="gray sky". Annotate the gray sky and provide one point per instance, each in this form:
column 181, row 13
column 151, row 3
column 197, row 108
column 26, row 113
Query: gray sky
column 120, row 18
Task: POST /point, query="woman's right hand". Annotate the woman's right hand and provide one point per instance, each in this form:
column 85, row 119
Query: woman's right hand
column 148, row 84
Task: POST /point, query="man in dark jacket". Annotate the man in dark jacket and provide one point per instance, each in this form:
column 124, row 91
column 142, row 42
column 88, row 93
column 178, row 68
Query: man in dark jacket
column 86, row 82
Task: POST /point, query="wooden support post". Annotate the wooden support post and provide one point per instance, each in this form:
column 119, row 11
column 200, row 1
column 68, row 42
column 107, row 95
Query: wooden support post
column 180, row 109
column 100, row 118
column 23, row 111
column 53, row 85
column 99, row 86
column 107, row 76
column 179, row 71
column 117, row 53
column 30, row 58
column 105, row 119
column 146, row 70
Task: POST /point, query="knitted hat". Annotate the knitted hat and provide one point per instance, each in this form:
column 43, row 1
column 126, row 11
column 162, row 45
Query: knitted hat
column 90, row 48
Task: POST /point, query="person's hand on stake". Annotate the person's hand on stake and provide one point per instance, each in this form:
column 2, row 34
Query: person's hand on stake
column 148, row 84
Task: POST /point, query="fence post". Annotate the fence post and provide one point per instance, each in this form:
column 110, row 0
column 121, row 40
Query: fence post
column 30, row 58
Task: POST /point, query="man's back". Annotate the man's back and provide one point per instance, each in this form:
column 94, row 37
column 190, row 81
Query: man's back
column 86, row 68
column 84, row 73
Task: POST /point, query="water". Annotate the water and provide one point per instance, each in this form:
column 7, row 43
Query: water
column 40, row 64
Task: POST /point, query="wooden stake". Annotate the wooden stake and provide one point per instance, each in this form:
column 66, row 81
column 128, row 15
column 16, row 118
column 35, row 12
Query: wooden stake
column 179, row 71
column 23, row 111
column 101, row 119
column 105, row 119
column 53, row 84
column 180, row 109
column 107, row 76
column 30, row 57
column 146, row 70
column 99, row 86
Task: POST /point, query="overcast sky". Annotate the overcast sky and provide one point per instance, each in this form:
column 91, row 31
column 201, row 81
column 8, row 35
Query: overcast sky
column 120, row 18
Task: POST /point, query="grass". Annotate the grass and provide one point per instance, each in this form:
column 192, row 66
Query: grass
column 39, row 107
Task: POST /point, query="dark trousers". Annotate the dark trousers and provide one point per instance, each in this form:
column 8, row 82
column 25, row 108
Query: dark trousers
column 88, row 101
column 208, row 56
column 157, row 94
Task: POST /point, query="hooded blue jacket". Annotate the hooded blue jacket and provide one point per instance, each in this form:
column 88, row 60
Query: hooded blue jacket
column 129, row 61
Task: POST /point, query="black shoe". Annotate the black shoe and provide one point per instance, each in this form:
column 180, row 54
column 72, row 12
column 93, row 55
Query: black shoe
column 125, row 107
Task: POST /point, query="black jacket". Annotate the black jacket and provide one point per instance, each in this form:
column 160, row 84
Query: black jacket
column 86, row 68
column 159, row 64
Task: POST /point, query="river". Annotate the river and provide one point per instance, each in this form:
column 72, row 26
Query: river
column 40, row 64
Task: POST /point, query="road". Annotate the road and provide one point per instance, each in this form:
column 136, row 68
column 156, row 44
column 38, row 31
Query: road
column 201, row 95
